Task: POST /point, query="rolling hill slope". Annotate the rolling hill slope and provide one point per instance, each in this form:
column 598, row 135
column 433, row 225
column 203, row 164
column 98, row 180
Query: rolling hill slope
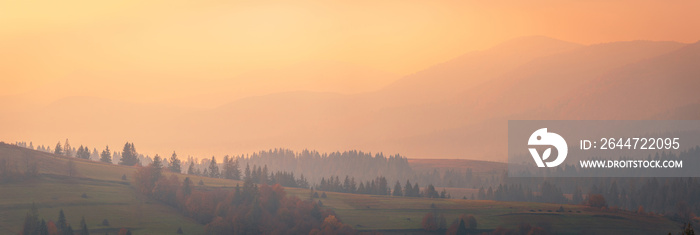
column 109, row 197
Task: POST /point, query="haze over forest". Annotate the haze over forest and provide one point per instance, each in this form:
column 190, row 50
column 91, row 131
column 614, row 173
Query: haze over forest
column 426, row 81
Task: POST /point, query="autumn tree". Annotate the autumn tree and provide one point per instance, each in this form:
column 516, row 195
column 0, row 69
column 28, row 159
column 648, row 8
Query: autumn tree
column 145, row 178
column 124, row 231
column 51, row 228
column 640, row 210
column 596, row 200
column 429, row 222
column 331, row 225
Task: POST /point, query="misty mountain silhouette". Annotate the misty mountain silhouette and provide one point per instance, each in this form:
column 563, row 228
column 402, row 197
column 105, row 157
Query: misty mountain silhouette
column 457, row 109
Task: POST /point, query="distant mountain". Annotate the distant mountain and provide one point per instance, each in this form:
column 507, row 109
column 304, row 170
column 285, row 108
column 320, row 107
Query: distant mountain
column 458, row 109
column 315, row 76
column 569, row 85
column 546, row 81
column 650, row 88
column 471, row 69
column 207, row 89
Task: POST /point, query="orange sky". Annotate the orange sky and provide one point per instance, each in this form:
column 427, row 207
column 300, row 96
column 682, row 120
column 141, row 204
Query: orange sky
column 161, row 48
column 204, row 54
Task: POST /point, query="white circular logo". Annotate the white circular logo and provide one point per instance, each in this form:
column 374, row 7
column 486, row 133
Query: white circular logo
column 540, row 138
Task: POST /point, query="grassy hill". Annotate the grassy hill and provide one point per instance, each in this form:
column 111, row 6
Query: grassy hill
column 400, row 215
column 109, row 197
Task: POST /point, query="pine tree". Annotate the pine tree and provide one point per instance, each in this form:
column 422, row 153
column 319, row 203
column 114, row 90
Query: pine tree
column 397, row 189
column 31, row 222
column 67, row 150
column 68, row 231
column 157, row 163
column 83, row 226
column 247, row 172
column 129, row 156
column 190, row 169
column 462, row 229
column 187, row 186
column 175, row 163
column 231, row 170
column 213, row 168
column 408, row 189
column 83, row 152
column 106, row 156
column 61, row 223
column 94, row 155
column 43, row 228
column 416, row 190
column 59, row 149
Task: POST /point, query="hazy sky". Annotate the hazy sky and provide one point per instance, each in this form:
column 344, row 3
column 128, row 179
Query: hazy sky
column 205, row 54
column 162, row 49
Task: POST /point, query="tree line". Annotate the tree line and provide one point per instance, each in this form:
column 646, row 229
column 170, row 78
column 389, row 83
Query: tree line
column 248, row 209
column 378, row 186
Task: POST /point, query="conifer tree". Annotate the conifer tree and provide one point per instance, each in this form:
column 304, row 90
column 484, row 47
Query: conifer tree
column 175, row 163
column 58, row 149
column 106, row 155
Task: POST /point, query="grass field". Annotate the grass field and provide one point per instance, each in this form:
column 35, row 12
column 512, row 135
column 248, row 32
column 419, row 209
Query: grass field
column 367, row 212
column 109, row 197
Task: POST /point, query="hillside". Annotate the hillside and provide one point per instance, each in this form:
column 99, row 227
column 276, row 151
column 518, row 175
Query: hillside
column 110, row 197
